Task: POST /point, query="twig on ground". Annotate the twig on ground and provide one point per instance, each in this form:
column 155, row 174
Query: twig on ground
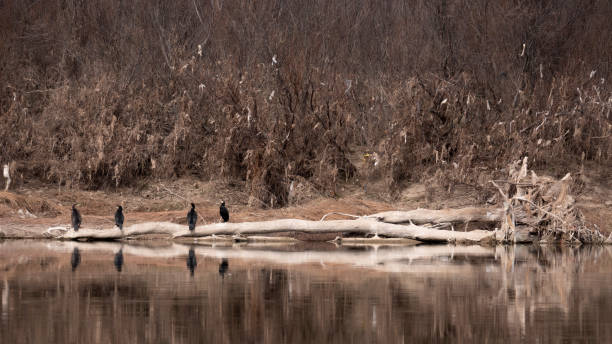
column 342, row 214
column 172, row 193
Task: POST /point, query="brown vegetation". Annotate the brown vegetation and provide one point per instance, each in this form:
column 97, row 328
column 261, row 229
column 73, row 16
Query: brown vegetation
column 29, row 206
column 272, row 93
column 544, row 207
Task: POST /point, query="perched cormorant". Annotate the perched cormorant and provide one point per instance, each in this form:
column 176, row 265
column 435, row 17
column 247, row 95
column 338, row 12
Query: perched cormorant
column 191, row 261
column 119, row 260
column 223, row 212
column 223, row 267
column 119, row 217
column 76, row 218
column 192, row 217
column 75, row 260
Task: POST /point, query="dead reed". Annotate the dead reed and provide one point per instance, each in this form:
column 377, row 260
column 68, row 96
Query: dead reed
column 269, row 92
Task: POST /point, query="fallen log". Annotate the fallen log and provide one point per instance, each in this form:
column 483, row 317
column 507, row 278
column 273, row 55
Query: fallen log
column 114, row 233
column 423, row 216
column 365, row 226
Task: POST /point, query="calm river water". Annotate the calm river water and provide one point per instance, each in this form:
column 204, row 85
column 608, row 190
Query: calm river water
column 68, row 292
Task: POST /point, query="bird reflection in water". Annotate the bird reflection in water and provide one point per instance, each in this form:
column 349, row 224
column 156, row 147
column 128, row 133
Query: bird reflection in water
column 191, row 261
column 223, row 267
column 119, row 260
column 75, row 260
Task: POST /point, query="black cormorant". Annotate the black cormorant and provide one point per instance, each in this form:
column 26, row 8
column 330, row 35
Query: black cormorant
column 119, row 260
column 119, row 217
column 76, row 218
column 223, row 212
column 192, row 217
column 75, row 260
column 223, row 267
column 191, row 261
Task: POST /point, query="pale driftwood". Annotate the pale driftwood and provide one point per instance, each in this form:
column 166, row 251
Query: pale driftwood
column 546, row 206
column 145, row 228
column 7, row 175
column 341, row 214
column 422, row 216
column 364, row 226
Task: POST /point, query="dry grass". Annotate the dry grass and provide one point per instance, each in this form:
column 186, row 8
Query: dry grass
column 271, row 94
column 544, row 206
column 11, row 202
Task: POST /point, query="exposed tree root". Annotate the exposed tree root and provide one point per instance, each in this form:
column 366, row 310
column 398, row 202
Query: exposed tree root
column 544, row 207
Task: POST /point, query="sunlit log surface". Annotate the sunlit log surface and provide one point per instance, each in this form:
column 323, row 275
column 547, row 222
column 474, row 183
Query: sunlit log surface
column 363, row 226
column 145, row 228
column 422, row 216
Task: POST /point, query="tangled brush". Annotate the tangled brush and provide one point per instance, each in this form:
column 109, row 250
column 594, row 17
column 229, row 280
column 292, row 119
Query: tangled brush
column 543, row 206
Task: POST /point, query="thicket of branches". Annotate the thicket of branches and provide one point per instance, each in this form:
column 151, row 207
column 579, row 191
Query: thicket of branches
column 96, row 93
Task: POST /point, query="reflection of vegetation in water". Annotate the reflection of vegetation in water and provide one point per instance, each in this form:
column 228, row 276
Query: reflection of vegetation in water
column 505, row 295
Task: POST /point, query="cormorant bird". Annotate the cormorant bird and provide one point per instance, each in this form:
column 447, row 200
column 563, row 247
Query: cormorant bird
column 119, row 260
column 75, row 260
column 76, row 218
column 119, row 217
column 223, row 267
column 192, row 217
column 191, row 261
column 223, row 212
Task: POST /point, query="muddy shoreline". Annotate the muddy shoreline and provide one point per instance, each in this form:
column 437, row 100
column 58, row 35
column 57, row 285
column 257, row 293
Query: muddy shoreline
column 27, row 212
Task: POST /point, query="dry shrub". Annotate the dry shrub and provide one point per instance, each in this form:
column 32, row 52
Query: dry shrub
column 99, row 94
column 543, row 205
column 287, row 131
column 445, row 130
